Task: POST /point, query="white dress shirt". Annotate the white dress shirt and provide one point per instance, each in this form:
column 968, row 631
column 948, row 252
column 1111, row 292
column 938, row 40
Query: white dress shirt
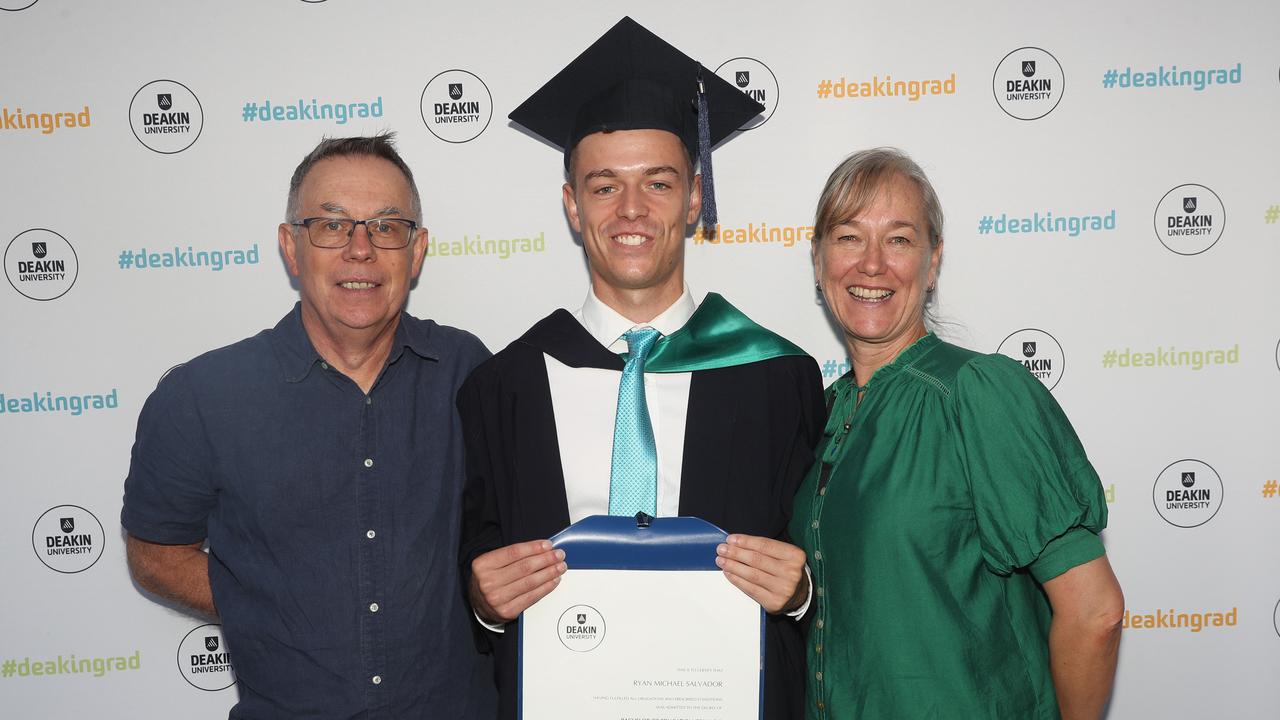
column 585, row 402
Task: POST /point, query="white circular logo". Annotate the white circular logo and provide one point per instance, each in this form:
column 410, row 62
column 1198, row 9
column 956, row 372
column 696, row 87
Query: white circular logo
column 16, row 5
column 1039, row 352
column 756, row 80
column 1190, row 219
column 68, row 539
column 203, row 659
column 1187, row 493
column 456, row 106
column 581, row 628
column 1028, row 83
column 41, row 264
column 166, row 116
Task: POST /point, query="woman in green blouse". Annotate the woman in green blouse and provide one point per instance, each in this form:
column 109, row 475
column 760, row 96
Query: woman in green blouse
column 951, row 519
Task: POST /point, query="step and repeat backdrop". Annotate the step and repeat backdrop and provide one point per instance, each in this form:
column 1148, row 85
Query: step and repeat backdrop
column 1109, row 173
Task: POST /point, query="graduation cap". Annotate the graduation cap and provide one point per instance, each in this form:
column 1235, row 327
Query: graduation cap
column 631, row 79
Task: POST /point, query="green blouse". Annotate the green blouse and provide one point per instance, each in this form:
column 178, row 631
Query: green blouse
column 935, row 508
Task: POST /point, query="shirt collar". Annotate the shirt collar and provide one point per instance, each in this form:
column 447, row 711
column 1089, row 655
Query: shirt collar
column 417, row 335
column 606, row 325
column 297, row 355
column 905, row 359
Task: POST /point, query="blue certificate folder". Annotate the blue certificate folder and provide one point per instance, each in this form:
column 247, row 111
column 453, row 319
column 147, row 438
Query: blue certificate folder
column 637, row 544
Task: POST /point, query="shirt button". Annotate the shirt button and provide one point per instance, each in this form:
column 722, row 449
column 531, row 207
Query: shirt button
column 817, row 649
column 818, row 675
column 822, row 491
column 821, row 705
column 814, row 524
column 819, row 591
column 820, row 623
column 324, row 365
column 817, row 554
column 373, row 607
column 368, row 462
column 371, row 534
column 368, row 400
column 377, row 679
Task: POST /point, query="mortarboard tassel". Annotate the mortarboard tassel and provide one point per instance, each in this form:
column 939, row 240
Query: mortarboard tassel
column 709, row 215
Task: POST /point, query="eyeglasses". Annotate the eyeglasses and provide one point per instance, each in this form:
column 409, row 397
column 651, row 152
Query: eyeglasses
column 385, row 233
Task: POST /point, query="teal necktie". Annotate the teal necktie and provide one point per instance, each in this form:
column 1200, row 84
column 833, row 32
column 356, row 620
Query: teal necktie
column 633, row 480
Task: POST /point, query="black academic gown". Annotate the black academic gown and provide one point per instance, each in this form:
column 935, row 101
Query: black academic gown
column 749, row 440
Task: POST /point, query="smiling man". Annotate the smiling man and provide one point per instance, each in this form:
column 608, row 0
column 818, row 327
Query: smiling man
column 321, row 461
column 707, row 415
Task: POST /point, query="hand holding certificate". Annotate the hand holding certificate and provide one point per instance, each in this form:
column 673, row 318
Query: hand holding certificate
column 642, row 625
column 770, row 571
column 506, row 581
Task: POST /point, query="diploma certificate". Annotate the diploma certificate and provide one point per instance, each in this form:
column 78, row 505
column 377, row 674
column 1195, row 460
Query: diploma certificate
column 642, row 642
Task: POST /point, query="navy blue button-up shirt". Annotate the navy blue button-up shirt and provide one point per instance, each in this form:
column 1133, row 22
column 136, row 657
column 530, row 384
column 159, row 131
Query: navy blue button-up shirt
column 332, row 520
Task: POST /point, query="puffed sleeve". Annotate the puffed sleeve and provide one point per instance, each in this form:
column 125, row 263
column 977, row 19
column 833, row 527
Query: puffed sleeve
column 169, row 491
column 1038, row 501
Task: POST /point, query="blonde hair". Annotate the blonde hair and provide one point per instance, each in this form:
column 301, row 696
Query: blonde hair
column 854, row 183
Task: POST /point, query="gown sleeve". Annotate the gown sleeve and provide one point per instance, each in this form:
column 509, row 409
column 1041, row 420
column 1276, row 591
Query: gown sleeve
column 481, row 526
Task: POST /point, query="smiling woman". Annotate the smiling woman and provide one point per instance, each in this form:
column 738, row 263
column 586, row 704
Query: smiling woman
column 951, row 520
column 876, row 252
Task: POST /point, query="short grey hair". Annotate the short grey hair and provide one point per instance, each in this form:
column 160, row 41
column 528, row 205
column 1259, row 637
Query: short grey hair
column 381, row 145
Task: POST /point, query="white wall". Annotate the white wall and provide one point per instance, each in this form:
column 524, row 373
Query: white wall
column 1098, row 151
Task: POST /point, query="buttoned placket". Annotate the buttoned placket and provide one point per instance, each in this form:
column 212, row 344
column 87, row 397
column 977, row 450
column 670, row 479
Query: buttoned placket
column 831, row 457
column 370, row 533
column 370, row 557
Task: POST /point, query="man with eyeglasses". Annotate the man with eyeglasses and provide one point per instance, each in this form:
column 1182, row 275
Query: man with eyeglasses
column 321, row 461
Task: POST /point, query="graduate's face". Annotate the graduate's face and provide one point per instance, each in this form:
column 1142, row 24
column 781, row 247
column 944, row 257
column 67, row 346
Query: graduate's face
column 875, row 269
column 632, row 199
column 359, row 286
